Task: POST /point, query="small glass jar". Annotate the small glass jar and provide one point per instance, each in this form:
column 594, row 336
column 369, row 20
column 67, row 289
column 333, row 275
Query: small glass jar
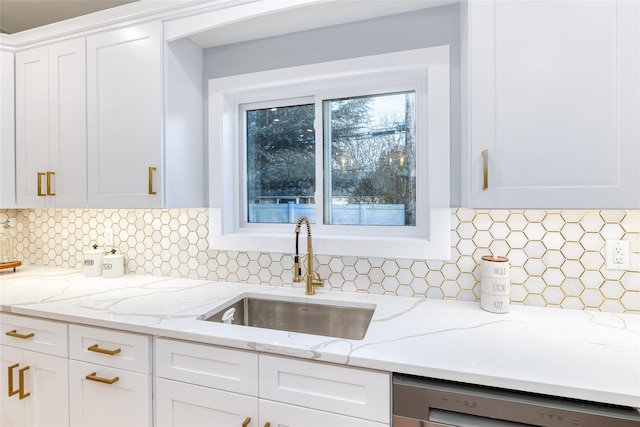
column 7, row 245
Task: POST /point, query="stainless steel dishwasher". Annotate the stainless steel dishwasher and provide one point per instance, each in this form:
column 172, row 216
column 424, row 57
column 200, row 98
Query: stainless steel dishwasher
column 422, row 402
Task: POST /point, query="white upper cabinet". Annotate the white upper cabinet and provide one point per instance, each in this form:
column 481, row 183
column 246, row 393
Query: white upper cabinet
column 51, row 126
column 7, row 131
column 138, row 156
column 552, row 99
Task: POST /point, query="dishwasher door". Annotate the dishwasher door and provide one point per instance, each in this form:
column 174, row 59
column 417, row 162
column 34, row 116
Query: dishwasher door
column 423, row 402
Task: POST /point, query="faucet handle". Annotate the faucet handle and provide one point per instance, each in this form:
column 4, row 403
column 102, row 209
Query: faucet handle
column 317, row 281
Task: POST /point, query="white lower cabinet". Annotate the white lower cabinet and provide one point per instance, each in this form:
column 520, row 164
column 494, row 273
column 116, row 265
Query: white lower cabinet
column 198, row 385
column 34, row 389
column 110, row 381
column 33, row 372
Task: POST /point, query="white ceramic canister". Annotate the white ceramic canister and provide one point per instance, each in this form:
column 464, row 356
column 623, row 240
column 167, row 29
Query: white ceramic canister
column 113, row 265
column 93, row 262
column 495, row 284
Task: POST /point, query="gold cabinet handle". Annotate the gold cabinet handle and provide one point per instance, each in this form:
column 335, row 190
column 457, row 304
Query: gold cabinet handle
column 10, row 376
column 49, row 175
column 15, row 334
column 485, row 168
column 267, row 424
column 21, row 382
column 151, row 171
column 40, row 175
column 94, row 377
column 97, row 349
column 246, row 422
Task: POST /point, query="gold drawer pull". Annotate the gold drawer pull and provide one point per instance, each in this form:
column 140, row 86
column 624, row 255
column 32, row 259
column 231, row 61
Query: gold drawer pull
column 49, row 175
column 246, row 422
column 40, row 175
column 93, row 377
column 15, row 334
column 97, row 349
column 21, row 381
column 485, row 168
column 267, row 424
column 10, row 376
column 151, row 171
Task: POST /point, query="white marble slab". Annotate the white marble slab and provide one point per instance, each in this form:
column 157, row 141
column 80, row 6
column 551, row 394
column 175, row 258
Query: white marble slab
column 577, row 354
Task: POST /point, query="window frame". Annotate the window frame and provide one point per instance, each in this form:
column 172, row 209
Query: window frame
column 424, row 70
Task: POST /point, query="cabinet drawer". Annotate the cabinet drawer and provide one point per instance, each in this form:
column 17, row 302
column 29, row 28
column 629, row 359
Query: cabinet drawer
column 206, row 365
column 114, row 397
column 344, row 390
column 44, row 336
column 185, row 405
column 106, row 347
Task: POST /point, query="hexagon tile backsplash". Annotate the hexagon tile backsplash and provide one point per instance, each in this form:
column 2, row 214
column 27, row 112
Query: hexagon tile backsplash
column 557, row 257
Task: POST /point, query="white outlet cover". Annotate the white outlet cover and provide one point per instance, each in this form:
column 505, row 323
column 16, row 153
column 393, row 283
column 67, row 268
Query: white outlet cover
column 617, row 254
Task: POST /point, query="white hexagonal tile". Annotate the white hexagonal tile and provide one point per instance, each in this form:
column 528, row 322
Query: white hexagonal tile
column 572, row 287
column 631, row 222
column 535, row 285
column 553, row 295
column 517, row 239
column 612, row 290
column 631, row 280
column 553, row 222
column 572, row 232
column 612, row 232
column 535, row 267
column 612, row 215
column 572, row 250
column 517, row 221
column 592, row 260
column 592, row 298
column 592, row 279
column 572, row 269
column 535, row 249
column 631, row 301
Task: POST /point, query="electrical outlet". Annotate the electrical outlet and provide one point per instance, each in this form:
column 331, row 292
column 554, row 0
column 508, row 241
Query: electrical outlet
column 108, row 236
column 617, row 254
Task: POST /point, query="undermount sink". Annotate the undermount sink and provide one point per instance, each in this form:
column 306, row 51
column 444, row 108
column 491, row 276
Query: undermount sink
column 326, row 318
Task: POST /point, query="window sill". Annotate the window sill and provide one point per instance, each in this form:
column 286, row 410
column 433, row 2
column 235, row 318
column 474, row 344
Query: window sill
column 437, row 246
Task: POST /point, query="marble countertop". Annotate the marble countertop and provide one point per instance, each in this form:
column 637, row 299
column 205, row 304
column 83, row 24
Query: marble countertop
column 570, row 353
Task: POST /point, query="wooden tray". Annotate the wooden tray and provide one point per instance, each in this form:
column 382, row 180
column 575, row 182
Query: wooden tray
column 12, row 264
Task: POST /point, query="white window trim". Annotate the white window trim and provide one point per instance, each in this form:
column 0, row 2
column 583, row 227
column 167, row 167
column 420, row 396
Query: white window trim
column 227, row 93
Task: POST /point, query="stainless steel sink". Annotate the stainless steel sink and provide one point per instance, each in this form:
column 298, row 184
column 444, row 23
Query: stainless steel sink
column 327, row 318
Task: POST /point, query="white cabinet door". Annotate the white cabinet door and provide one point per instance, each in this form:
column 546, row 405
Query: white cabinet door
column 51, row 126
column 68, row 123
column 32, row 126
column 12, row 409
column 283, row 415
column 35, row 390
column 124, row 105
column 109, row 397
column 180, row 404
column 7, row 131
column 554, row 98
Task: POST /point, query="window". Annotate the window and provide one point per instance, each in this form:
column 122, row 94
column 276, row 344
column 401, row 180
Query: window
column 368, row 155
column 360, row 146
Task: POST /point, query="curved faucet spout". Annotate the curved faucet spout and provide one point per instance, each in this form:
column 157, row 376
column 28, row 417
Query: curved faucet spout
column 312, row 279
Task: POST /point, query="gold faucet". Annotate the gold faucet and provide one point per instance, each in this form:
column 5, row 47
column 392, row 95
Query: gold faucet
column 313, row 280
